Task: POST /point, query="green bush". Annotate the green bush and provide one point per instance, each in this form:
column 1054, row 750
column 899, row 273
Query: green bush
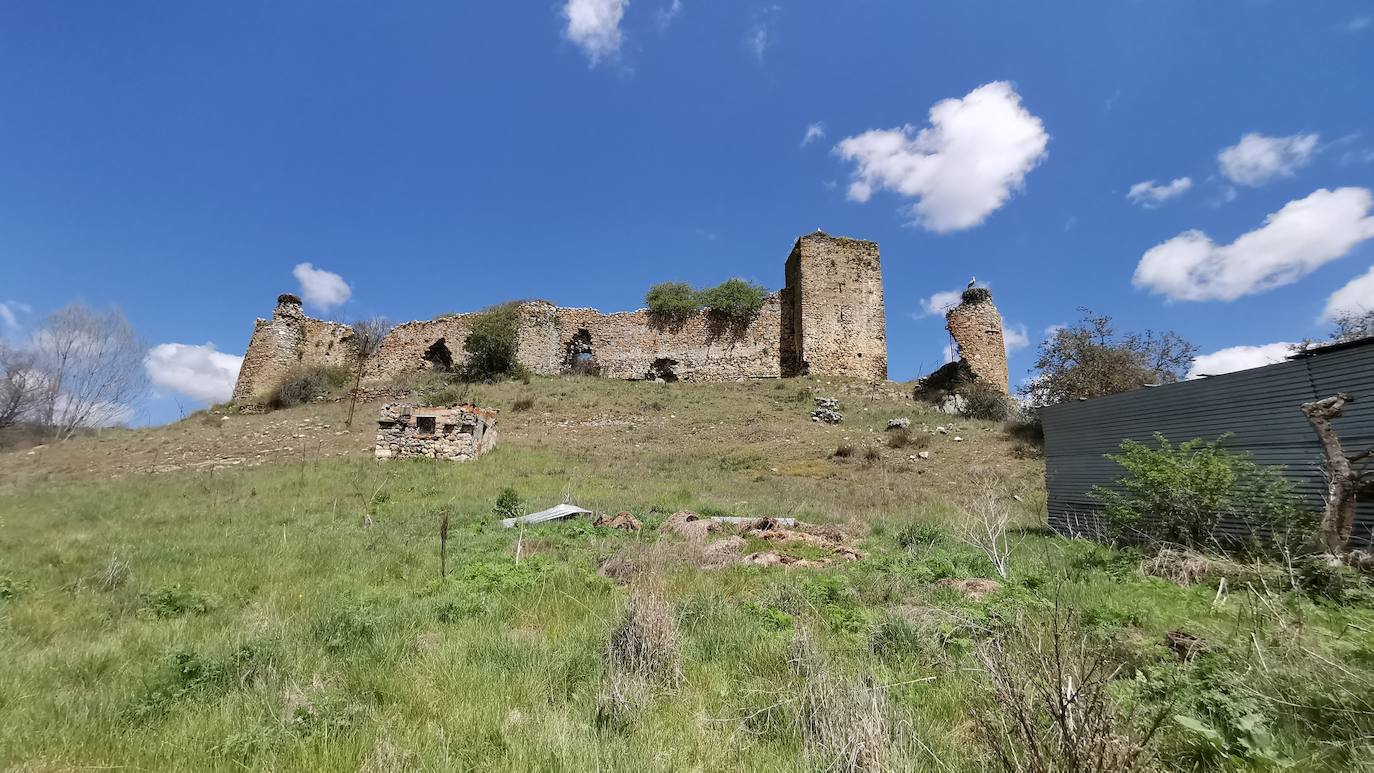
column 304, row 383
column 509, row 504
column 1179, row 493
column 173, row 601
column 735, row 299
column 672, row 300
column 492, row 344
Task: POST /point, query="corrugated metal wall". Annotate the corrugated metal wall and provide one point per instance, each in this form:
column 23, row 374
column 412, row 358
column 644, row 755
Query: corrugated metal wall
column 1259, row 407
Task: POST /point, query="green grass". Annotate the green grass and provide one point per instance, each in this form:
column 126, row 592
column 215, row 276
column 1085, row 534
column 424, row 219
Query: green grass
column 291, row 616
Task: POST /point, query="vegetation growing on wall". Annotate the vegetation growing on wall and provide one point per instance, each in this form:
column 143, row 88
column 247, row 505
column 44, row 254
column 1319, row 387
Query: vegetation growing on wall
column 304, row 383
column 733, row 299
column 492, row 343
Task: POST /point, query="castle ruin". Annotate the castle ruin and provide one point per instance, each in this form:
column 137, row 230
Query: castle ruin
column 976, row 327
column 827, row 320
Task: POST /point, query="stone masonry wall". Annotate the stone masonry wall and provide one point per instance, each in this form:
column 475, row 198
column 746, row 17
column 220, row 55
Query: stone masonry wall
column 839, row 325
column 977, row 329
column 286, row 340
column 829, row 320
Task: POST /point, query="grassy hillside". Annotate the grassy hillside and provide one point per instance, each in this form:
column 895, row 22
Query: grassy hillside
column 164, row 606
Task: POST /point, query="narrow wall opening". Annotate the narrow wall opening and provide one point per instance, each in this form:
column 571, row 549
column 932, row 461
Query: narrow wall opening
column 438, row 356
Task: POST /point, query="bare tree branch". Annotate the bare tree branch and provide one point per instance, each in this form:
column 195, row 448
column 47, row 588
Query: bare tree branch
column 91, row 364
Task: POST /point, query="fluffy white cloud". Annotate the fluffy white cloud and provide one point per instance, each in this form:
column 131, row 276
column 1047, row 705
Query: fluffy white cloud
column 1239, row 358
column 1257, row 159
column 974, row 155
column 1356, row 297
column 594, row 26
column 941, row 302
column 199, row 372
column 320, row 288
column 815, row 131
column 1150, row 195
column 1293, row 242
column 1015, row 338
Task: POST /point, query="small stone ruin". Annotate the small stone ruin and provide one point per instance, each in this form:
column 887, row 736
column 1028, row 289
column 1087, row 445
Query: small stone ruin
column 456, row 434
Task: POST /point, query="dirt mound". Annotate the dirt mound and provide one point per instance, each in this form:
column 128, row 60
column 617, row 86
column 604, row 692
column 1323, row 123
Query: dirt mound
column 621, row 520
column 685, row 523
column 801, row 534
column 972, row 589
column 770, row 558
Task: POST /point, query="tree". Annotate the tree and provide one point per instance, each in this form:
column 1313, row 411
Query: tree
column 1347, row 477
column 672, row 301
column 735, row 298
column 1090, row 359
column 1353, row 325
column 368, row 335
column 91, row 366
column 492, row 343
column 21, row 386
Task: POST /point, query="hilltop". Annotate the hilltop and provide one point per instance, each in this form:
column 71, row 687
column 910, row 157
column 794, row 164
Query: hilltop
column 255, row 591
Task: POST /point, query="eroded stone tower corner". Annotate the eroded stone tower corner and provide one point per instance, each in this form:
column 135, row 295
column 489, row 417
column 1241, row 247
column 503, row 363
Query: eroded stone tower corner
column 835, row 297
column 977, row 329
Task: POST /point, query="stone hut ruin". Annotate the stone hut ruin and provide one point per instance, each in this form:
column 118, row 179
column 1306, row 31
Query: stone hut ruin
column 828, row 320
column 457, row 434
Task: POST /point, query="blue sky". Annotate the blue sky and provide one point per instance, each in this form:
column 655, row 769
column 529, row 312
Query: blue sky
column 180, row 160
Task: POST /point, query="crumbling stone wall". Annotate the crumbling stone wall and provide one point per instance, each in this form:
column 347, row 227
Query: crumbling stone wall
column 457, row 434
column 829, row 320
column 977, row 329
column 288, row 339
column 838, row 324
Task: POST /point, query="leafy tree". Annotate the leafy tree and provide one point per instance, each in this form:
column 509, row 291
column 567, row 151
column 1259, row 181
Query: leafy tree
column 509, row 503
column 492, row 343
column 1090, row 359
column 673, row 300
column 735, row 298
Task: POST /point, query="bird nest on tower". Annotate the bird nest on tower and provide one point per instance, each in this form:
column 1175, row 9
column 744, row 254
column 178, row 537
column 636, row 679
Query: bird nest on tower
column 976, row 295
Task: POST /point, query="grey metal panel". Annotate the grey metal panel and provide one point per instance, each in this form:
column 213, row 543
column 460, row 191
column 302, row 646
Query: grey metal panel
column 1259, row 409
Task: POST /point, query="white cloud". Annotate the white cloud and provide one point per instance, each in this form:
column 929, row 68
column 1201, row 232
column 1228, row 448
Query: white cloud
column 199, row 372
column 1239, row 358
column 941, row 302
column 1293, row 242
column 1358, row 23
column 10, row 311
column 815, row 131
column 1150, row 195
column 594, row 26
column 320, row 288
column 666, row 15
column 1356, row 297
column 760, row 35
column 1015, row 338
column 974, row 155
column 1257, row 159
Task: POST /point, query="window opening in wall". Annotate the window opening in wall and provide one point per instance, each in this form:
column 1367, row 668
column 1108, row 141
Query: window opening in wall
column 425, row 424
column 438, row 356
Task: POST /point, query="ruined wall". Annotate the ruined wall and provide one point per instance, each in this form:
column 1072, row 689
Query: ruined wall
column 977, row 329
column 286, row 340
column 829, row 320
column 839, row 326
column 456, row 434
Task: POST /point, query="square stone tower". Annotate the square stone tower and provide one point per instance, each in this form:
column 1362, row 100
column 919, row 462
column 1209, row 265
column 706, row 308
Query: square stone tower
column 835, row 293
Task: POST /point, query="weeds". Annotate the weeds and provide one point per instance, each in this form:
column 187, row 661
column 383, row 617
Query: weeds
column 174, row 601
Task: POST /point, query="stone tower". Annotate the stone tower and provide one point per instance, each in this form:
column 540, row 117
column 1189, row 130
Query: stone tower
column 288, row 339
column 977, row 330
column 835, row 298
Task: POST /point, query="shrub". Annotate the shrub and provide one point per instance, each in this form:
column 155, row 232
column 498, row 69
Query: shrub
column 672, row 300
column 919, row 535
column 508, row 503
column 348, row 627
column 1179, row 493
column 173, row 601
column 985, row 401
column 522, row 404
column 492, row 344
column 843, row 452
column 304, row 383
column 903, row 437
column 735, row 299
